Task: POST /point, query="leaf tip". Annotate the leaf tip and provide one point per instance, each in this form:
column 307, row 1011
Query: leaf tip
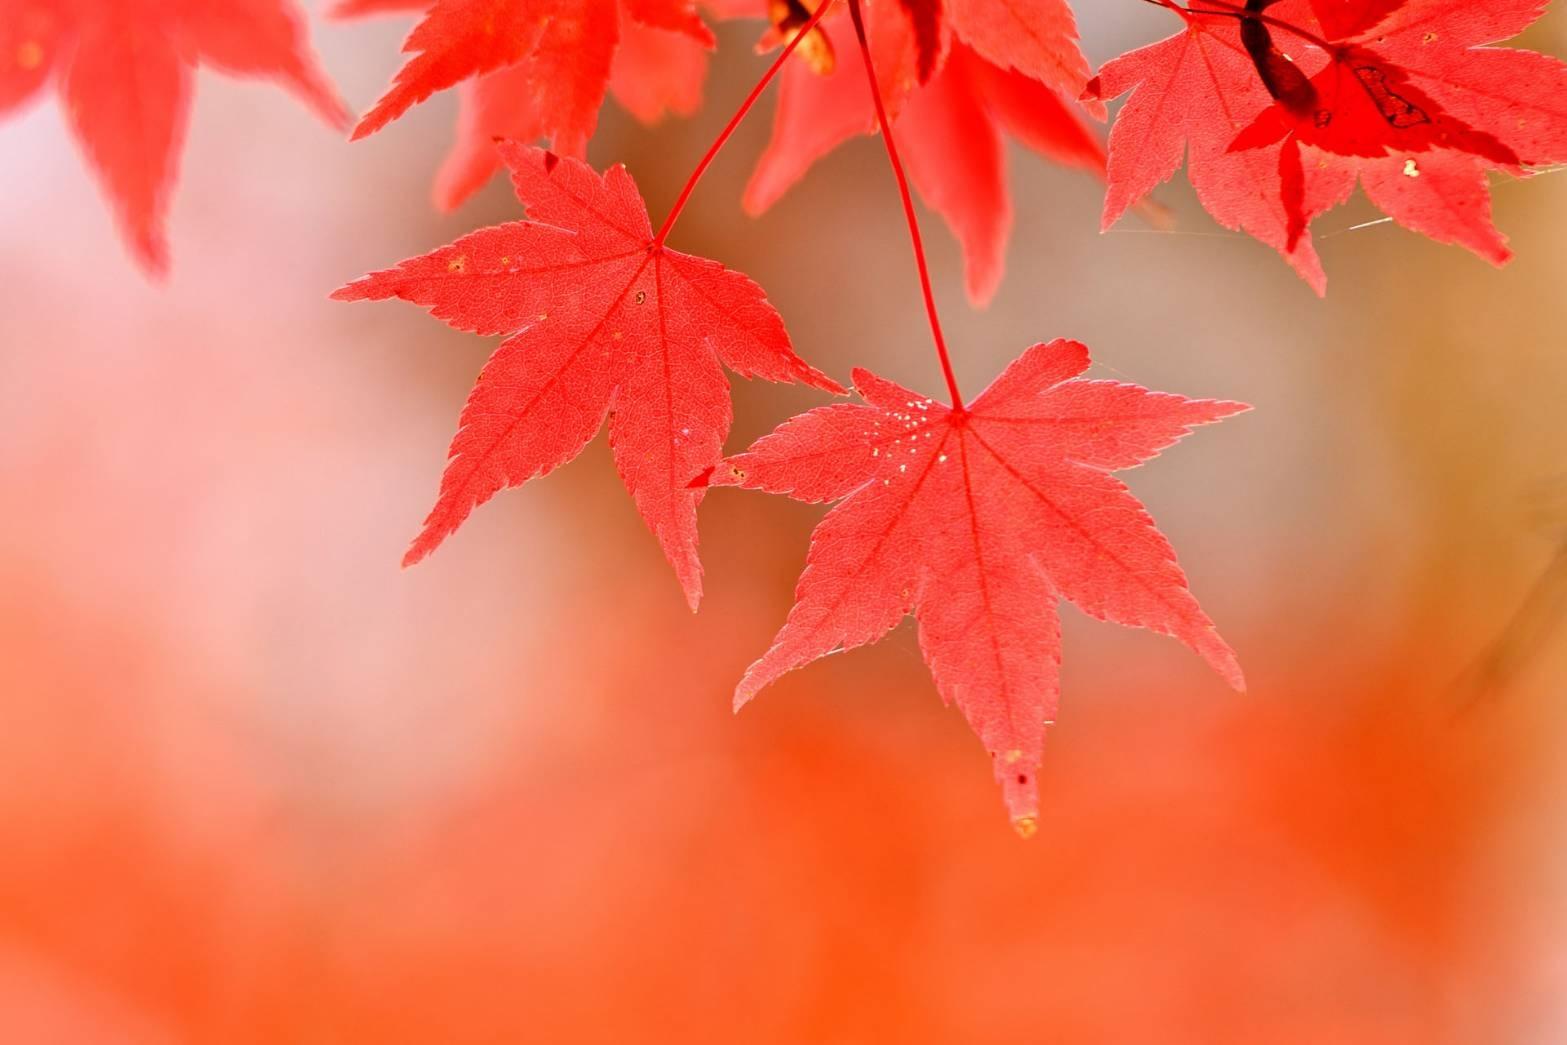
column 1223, row 408
column 156, row 269
column 347, row 292
column 1235, row 677
column 421, row 547
column 816, row 379
column 1224, row 661
column 151, row 251
column 327, row 103
column 858, row 378
column 724, row 473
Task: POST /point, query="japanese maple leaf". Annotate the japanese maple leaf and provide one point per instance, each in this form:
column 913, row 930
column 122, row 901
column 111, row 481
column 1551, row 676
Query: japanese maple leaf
column 951, row 128
column 124, row 74
column 601, row 320
column 978, row 521
column 653, row 72
column 559, row 56
column 1192, row 93
column 1408, row 104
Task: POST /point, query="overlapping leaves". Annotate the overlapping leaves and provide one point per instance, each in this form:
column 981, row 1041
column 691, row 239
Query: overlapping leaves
column 1279, row 119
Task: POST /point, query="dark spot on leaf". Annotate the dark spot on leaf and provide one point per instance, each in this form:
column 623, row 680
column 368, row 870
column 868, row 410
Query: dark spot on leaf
column 1397, row 110
column 550, row 160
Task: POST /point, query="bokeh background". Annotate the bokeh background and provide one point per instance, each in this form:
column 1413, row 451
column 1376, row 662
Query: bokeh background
column 259, row 785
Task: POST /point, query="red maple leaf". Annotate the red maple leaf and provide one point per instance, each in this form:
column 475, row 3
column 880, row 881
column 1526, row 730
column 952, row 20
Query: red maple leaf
column 1281, row 122
column 952, row 125
column 124, row 70
column 601, row 319
column 978, row 521
column 653, row 72
column 557, row 57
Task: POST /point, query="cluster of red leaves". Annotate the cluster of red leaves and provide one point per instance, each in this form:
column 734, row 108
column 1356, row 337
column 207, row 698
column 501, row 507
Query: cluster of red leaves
column 531, row 71
column 974, row 518
column 969, row 73
column 1280, row 119
column 956, row 86
column 1280, row 107
column 124, row 69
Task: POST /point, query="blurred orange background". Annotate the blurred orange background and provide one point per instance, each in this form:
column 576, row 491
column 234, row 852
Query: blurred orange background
column 262, row 786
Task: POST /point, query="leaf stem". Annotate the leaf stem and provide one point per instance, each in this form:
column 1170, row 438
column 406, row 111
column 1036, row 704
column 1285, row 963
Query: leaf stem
column 908, row 210
column 735, row 121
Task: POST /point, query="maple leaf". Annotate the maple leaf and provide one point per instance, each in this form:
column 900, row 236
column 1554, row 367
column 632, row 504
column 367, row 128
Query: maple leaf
column 601, row 320
column 1191, row 94
column 978, row 521
column 124, row 70
column 1409, row 105
column 558, row 57
column 952, row 128
column 653, row 72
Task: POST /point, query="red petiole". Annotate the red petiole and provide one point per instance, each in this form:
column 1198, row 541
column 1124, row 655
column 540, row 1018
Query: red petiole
column 735, row 121
column 908, row 209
